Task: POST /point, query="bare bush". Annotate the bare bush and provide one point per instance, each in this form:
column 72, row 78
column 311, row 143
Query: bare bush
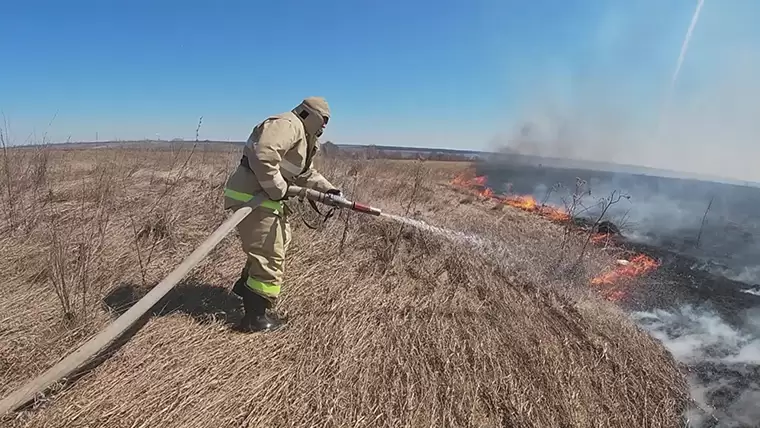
column 605, row 204
column 76, row 252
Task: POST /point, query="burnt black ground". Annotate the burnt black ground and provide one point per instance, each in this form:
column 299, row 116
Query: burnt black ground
column 697, row 302
column 666, row 212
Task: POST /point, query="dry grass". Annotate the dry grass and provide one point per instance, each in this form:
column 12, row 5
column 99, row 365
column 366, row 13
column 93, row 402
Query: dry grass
column 388, row 325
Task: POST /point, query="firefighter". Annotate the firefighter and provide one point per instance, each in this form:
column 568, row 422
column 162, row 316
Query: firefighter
column 279, row 152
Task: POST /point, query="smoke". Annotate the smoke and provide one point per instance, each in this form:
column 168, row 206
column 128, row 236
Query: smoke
column 672, row 214
column 714, row 222
column 661, row 89
column 725, row 361
column 615, row 101
column 699, row 335
column 626, row 104
column 721, row 348
column 746, row 274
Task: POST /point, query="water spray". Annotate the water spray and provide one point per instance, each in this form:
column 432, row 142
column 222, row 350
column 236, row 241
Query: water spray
column 446, row 233
column 341, row 202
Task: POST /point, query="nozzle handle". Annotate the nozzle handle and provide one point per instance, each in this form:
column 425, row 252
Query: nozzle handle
column 328, row 199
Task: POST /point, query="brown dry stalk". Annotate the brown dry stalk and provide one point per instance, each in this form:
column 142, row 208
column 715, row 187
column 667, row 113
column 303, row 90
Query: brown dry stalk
column 446, row 335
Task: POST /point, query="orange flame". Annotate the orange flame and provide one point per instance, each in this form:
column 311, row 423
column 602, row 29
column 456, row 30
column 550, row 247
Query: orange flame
column 638, row 265
column 527, row 203
column 461, row 180
column 555, row 214
column 486, row 193
column 479, row 182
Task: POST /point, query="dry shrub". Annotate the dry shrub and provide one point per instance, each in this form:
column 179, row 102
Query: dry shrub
column 388, row 325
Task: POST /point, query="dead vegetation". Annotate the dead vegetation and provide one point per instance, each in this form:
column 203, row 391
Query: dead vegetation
column 388, row 325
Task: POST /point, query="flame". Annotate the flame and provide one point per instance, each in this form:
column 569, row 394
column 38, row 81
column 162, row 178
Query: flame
column 555, row 214
column 609, row 281
column 527, row 203
column 524, row 202
column 478, row 182
column 461, row 180
column 637, row 266
column 486, row 193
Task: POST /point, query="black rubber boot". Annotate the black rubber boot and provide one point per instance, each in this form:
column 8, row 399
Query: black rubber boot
column 255, row 318
column 239, row 286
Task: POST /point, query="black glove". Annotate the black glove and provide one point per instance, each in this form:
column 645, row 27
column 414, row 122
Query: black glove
column 335, row 192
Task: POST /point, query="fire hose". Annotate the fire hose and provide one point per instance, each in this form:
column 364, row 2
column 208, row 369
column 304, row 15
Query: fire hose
column 74, row 361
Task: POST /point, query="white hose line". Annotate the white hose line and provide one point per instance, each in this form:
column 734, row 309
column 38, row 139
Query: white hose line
column 91, row 348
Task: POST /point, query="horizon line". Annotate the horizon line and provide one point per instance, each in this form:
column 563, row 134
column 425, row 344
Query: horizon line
column 641, row 168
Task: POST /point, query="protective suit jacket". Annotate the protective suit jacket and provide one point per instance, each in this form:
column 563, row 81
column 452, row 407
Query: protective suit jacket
column 278, row 152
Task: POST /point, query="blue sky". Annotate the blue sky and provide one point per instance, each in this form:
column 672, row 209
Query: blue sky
column 457, row 74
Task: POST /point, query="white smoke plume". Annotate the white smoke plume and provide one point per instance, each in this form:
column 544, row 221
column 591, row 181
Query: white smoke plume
column 723, row 357
column 705, row 123
column 618, row 104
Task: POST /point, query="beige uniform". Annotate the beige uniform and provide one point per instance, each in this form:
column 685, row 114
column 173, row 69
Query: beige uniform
column 278, row 152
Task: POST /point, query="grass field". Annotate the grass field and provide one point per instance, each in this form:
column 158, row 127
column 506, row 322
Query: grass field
column 387, row 325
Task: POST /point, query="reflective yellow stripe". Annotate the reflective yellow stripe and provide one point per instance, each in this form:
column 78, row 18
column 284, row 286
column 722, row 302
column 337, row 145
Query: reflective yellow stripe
column 264, row 288
column 238, row 196
column 245, row 197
